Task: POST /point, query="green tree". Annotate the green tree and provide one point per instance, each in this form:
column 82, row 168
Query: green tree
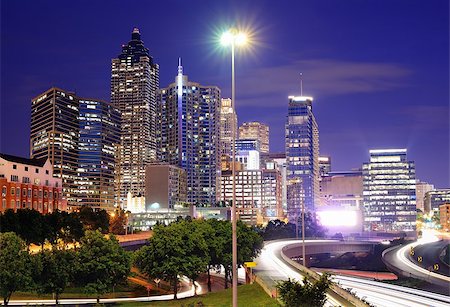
column 15, row 269
column 30, row 226
column 9, row 221
column 312, row 226
column 249, row 244
column 94, row 220
column 56, row 271
column 215, row 244
column 174, row 250
column 294, row 294
column 118, row 222
column 102, row 263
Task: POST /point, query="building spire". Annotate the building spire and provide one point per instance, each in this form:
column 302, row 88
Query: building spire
column 180, row 67
column 301, row 84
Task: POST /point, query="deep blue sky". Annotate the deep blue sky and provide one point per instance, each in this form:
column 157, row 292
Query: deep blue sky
column 378, row 69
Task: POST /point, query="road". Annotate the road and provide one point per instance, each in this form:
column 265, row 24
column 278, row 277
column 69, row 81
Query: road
column 271, row 268
column 429, row 254
column 400, row 260
column 182, row 294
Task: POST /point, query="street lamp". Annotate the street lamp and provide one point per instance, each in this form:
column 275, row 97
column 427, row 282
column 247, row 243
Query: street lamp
column 233, row 38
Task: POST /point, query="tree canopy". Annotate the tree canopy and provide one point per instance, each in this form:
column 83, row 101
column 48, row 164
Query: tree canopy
column 313, row 294
column 15, row 266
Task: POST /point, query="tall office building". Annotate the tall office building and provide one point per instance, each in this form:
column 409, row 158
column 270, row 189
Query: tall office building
column 302, row 154
column 389, row 192
column 421, row 189
column 324, row 165
column 98, row 149
column 257, row 131
column 433, row 199
column 228, row 126
column 189, row 134
column 55, row 135
column 134, row 82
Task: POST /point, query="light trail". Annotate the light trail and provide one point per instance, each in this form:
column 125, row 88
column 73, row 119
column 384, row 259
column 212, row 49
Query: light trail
column 401, row 255
column 184, row 294
column 376, row 293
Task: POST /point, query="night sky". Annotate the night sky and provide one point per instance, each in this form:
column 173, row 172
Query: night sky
column 378, row 69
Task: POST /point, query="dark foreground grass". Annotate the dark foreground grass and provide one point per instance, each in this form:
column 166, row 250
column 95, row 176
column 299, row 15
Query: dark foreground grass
column 248, row 295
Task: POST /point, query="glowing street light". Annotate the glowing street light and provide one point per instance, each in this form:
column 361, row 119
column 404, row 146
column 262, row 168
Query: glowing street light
column 233, row 38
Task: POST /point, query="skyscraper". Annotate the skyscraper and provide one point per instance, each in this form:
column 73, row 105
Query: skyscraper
column 134, row 82
column 228, row 126
column 302, row 154
column 55, row 135
column 189, row 134
column 257, row 131
column 389, row 192
column 98, row 149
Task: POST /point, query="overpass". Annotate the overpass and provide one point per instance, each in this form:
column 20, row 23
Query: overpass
column 273, row 266
column 326, row 247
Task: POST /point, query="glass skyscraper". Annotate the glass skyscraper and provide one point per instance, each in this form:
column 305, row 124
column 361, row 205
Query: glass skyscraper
column 302, row 155
column 228, row 127
column 389, row 192
column 257, row 131
column 98, row 148
column 55, row 134
column 189, row 134
column 134, row 82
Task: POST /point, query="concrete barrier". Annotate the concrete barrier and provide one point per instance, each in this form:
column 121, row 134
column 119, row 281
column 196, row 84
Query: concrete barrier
column 355, row 301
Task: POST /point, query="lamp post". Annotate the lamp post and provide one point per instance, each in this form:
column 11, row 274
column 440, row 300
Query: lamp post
column 233, row 38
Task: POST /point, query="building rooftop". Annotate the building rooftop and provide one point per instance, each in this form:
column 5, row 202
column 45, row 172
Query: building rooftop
column 28, row 161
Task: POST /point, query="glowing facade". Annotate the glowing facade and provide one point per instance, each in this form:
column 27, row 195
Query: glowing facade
column 228, row 126
column 98, row 149
column 302, row 155
column 55, row 136
column 189, row 134
column 134, row 82
column 389, row 192
column 257, row 131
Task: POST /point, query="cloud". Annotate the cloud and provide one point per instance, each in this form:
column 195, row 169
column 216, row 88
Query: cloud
column 322, row 77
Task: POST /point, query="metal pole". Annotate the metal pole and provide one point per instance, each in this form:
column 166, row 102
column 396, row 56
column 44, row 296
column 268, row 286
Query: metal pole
column 303, row 233
column 233, row 172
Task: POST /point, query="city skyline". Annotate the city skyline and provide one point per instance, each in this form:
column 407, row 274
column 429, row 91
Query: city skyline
column 397, row 98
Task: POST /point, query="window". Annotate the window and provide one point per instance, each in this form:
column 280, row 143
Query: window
column 46, row 171
column 15, row 178
column 40, row 193
column 3, row 204
column 35, row 205
column 50, row 195
column 37, row 171
column 40, row 206
column 29, row 192
column 18, row 204
column 24, row 204
column 26, row 168
column 35, row 193
column 4, row 191
column 46, row 182
column 45, row 194
column 12, row 204
column 14, row 166
column 13, row 191
column 24, row 190
column 25, row 179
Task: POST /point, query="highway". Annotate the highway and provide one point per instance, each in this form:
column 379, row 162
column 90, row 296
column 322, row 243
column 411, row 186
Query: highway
column 182, row 294
column 429, row 257
column 400, row 260
column 271, row 268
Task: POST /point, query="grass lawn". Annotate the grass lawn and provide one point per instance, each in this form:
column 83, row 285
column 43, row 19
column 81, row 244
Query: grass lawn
column 248, row 295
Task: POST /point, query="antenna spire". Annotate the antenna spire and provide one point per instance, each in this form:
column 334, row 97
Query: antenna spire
column 301, row 84
column 180, row 67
